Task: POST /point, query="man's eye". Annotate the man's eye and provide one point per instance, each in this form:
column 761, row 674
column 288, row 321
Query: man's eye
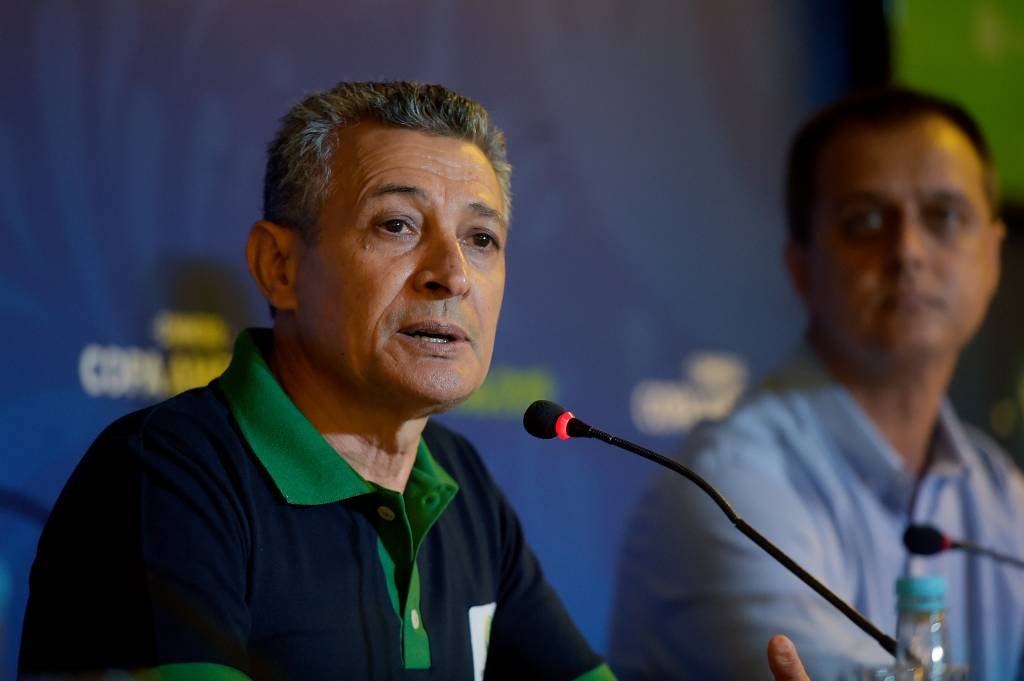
column 864, row 223
column 395, row 226
column 483, row 240
column 943, row 220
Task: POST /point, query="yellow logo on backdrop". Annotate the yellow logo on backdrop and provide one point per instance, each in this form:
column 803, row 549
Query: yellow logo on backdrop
column 508, row 391
column 192, row 349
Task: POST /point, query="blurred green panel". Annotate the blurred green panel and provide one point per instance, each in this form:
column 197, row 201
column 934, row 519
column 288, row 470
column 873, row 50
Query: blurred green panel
column 973, row 52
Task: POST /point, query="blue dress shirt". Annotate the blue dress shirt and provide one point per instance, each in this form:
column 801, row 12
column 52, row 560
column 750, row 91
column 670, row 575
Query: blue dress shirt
column 802, row 463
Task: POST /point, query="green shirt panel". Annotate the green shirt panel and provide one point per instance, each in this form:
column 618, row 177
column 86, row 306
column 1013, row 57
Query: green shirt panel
column 191, row 671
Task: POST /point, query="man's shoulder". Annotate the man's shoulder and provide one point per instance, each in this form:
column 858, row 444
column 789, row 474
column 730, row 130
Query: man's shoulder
column 200, row 413
column 770, row 422
column 177, row 443
column 195, row 425
column 995, row 466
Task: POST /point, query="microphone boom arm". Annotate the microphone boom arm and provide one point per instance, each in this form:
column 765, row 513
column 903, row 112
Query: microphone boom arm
column 974, row 548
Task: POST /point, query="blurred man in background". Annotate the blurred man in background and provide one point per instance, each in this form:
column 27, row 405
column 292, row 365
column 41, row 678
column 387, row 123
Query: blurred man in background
column 894, row 249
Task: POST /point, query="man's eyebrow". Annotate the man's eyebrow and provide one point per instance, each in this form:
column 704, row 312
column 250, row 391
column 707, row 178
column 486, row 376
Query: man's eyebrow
column 479, row 207
column 869, row 196
column 485, row 211
column 862, row 196
column 390, row 188
column 951, row 195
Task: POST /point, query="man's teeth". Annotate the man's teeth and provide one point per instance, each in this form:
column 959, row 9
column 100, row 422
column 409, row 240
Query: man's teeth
column 432, row 338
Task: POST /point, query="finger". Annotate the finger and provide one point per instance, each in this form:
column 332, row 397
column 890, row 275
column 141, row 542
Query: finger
column 784, row 661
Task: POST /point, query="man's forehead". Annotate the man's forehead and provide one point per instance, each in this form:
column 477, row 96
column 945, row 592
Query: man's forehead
column 373, row 160
column 375, row 147
column 927, row 149
column 925, row 133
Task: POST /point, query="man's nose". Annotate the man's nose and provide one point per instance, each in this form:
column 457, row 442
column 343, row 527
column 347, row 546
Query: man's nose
column 910, row 238
column 443, row 268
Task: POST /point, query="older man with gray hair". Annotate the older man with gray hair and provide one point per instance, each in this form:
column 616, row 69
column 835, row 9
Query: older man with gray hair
column 300, row 518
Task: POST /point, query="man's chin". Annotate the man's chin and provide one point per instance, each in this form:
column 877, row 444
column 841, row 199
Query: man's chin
column 436, row 398
column 913, row 350
column 887, row 350
column 909, row 339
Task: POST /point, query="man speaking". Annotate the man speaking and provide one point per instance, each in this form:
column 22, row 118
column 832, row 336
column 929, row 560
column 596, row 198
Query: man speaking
column 299, row 518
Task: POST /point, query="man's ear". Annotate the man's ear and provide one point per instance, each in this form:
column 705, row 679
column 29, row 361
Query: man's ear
column 797, row 265
column 273, row 253
column 998, row 238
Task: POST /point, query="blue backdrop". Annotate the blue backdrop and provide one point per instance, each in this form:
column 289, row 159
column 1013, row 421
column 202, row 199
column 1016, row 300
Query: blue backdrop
column 645, row 286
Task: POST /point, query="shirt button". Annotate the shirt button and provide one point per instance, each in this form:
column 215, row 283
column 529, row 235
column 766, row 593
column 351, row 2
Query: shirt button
column 430, row 500
column 385, row 513
column 415, row 617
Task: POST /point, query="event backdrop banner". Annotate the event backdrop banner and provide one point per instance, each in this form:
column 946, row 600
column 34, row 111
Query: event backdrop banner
column 645, row 286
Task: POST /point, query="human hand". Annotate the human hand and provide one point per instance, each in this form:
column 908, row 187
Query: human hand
column 784, row 661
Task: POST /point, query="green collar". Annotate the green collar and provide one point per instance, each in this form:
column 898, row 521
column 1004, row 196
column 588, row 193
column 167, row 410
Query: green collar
column 303, row 465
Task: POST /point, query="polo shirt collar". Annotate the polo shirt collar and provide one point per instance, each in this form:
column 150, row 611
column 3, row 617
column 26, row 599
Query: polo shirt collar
column 303, row 465
column 861, row 443
column 952, row 447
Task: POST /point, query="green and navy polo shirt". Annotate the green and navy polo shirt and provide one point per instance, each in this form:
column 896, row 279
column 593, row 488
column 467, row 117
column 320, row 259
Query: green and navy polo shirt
column 218, row 535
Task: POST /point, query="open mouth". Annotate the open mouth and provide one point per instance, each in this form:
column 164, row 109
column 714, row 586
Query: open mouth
column 434, row 332
column 431, row 337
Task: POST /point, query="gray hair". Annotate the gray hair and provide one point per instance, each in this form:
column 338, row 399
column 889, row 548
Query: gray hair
column 299, row 158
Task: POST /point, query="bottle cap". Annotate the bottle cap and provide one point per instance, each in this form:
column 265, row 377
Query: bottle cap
column 921, row 594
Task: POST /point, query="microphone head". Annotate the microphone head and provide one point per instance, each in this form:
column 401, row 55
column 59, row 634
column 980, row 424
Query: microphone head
column 924, row 540
column 541, row 417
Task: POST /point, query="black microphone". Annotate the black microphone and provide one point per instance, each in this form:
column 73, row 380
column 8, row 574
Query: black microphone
column 925, row 540
column 546, row 420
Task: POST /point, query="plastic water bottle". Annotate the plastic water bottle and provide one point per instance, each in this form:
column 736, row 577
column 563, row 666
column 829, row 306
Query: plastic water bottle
column 921, row 634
